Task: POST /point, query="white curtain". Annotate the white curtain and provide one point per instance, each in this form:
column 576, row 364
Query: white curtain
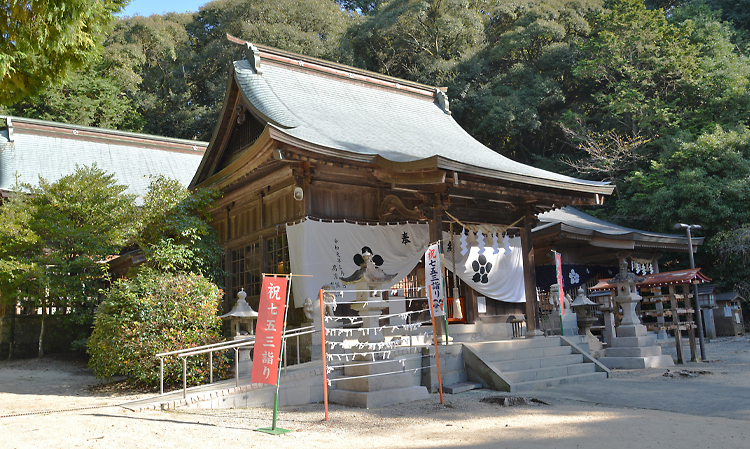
column 496, row 273
column 327, row 252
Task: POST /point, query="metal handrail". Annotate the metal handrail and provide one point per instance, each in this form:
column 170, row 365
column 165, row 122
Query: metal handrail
column 221, row 346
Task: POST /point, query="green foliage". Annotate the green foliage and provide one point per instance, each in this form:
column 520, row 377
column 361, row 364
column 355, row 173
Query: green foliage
column 511, row 94
column 636, row 64
column 151, row 58
column 17, row 246
column 360, row 6
column 41, row 41
column 417, row 40
column 173, row 230
column 704, row 181
column 90, row 97
column 154, row 313
column 55, row 240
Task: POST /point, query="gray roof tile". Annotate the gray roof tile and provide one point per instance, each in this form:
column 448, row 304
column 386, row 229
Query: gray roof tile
column 360, row 119
column 32, row 155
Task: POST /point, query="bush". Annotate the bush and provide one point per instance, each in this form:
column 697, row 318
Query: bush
column 154, row 313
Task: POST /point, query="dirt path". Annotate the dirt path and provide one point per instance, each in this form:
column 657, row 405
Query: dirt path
column 29, row 387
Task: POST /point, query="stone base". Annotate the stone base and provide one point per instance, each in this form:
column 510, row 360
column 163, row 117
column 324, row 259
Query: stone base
column 659, row 361
column 634, row 348
column 374, row 399
column 569, row 323
column 389, row 385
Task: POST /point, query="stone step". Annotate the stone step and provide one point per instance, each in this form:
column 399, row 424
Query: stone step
column 364, row 367
column 549, row 373
column 643, row 351
column 538, row 362
column 659, row 361
column 376, row 399
column 375, row 383
column 461, row 387
column 516, row 344
column 534, row 353
column 629, row 342
column 547, row 383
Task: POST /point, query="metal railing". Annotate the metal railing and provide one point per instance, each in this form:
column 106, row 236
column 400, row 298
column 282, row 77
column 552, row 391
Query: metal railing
column 223, row 346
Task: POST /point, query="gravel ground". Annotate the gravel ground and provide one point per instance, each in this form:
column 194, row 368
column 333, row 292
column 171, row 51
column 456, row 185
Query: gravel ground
column 55, row 403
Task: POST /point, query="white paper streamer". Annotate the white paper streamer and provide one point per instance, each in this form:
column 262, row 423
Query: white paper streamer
column 464, row 243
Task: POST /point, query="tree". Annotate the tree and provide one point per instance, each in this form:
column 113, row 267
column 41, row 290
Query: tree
column 174, row 231
column 42, row 41
column 416, row 40
column 168, row 303
column 59, row 235
column 89, row 97
column 511, row 94
column 360, row 6
column 151, row 59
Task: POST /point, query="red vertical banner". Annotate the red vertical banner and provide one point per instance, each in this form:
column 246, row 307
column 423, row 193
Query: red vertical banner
column 558, row 269
column 269, row 329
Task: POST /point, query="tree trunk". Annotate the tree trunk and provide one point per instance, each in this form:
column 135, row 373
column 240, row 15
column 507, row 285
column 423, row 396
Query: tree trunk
column 41, row 330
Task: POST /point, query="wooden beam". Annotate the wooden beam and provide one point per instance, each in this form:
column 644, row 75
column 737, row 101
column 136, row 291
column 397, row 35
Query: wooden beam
column 476, row 215
column 410, row 178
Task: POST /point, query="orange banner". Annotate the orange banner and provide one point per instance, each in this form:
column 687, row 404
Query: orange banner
column 269, row 330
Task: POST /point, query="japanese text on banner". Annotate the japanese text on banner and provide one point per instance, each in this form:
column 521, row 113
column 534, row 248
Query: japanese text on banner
column 269, row 330
column 561, row 291
column 434, row 278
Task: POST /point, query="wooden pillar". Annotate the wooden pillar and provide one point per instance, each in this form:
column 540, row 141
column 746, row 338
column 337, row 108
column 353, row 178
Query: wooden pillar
column 676, row 322
column 529, row 275
column 689, row 301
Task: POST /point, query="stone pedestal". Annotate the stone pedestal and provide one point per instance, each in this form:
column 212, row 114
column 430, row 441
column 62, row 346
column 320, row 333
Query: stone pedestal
column 632, row 348
column 569, row 318
column 245, row 361
column 569, row 323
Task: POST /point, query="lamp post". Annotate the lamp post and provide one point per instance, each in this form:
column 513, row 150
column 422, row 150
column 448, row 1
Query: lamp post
column 695, row 286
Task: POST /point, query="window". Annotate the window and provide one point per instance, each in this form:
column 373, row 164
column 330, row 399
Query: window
column 246, row 270
column 277, row 255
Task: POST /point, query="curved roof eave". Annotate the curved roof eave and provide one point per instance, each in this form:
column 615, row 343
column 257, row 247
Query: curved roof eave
column 440, row 162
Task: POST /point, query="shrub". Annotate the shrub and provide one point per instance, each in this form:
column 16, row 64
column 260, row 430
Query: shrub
column 154, row 313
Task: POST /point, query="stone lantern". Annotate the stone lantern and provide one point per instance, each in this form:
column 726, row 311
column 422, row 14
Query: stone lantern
column 586, row 312
column 241, row 317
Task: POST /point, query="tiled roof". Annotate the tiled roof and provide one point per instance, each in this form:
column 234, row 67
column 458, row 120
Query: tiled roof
column 680, row 277
column 349, row 113
column 34, row 148
column 575, row 221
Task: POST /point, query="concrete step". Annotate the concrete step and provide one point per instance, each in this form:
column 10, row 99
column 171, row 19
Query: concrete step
column 516, row 344
column 376, row 383
column 547, row 383
column 460, row 387
column 549, row 373
column 533, row 353
column 376, row 399
column 538, row 362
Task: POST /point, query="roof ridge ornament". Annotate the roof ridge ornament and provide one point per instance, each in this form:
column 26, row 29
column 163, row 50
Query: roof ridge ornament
column 255, row 60
column 442, row 99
